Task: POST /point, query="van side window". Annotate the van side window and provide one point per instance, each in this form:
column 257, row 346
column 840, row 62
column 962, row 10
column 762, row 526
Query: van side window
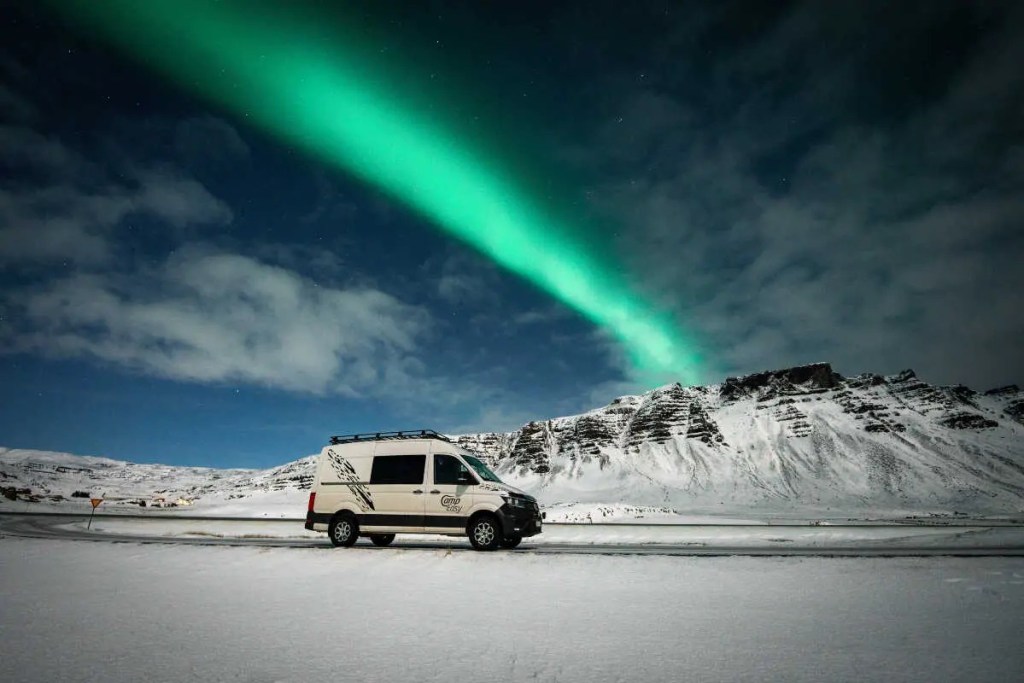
column 398, row 469
column 447, row 469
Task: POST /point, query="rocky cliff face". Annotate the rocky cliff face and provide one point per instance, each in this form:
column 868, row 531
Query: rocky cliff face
column 1011, row 399
column 798, row 434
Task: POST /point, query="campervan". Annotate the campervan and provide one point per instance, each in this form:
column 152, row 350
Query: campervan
column 414, row 482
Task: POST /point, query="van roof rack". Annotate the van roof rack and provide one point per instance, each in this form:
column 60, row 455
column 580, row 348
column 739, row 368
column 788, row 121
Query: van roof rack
column 389, row 436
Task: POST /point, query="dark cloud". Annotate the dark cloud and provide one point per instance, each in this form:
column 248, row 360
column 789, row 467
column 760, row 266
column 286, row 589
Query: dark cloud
column 26, row 151
column 835, row 190
column 14, row 107
column 332, row 206
column 463, row 278
column 207, row 140
column 64, row 207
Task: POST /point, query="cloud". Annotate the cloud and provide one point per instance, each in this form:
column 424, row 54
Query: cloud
column 204, row 314
column 326, row 264
column 14, row 107
column 208, row 316
column 26, row 150
column 491, row 418
column 283, row 316
column 88, row 221
column 460, row 287
column 803, row 207
column 541, row 316
column 65, row 208
column 209, row 140
column 462, row 278
column 178, row 200
column 332, row 207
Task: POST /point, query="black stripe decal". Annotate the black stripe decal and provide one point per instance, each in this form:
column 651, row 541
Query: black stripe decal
column 446, row 521
column 372, row 520
column 390, row 520
column 432, row 521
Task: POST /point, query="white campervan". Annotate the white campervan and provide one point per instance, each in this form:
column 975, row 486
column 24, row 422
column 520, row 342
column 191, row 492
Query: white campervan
column 418, row 482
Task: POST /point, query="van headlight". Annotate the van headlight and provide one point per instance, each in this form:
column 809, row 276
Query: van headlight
column 517, row 502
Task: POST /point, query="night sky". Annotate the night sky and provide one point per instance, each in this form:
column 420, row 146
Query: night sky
column 231, row 229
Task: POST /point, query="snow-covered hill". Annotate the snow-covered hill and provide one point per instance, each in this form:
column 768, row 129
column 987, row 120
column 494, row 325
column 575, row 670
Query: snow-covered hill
column 800, row 438
column 802, row 441
column 40, row 479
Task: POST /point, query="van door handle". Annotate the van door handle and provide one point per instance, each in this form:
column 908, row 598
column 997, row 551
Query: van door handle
column 435, row 491
column 418, row 491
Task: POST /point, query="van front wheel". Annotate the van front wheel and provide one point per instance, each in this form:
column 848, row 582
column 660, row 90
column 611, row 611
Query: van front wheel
column 511, row 541
column 382, row 539
column 485, row 532
column 343, row 530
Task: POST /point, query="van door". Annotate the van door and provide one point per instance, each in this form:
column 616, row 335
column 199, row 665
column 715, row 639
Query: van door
column 449, row 494
column 396, row 483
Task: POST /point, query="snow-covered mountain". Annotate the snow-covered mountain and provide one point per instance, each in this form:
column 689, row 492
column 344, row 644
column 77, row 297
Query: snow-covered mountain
column 802, row 437
column 799, row 440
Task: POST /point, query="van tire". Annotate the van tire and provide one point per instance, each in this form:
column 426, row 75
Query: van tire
column 485, row 532
column 511, row 541
column 382, row 540
column 343, row 530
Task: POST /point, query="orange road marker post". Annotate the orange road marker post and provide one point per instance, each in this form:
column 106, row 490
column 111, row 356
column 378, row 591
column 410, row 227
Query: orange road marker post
column 95, row 504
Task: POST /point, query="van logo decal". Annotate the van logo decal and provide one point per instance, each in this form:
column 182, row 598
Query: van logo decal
column 346, row 473
column 451, row 503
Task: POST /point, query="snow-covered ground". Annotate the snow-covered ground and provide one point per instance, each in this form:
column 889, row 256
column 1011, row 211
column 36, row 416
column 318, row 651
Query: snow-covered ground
column 598, row 513
column 130, row 612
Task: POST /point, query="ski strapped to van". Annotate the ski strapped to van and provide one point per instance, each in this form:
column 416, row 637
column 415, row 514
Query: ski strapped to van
column 380, row 484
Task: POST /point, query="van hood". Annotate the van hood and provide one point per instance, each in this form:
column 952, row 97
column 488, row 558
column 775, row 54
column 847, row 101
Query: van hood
column 495, row 486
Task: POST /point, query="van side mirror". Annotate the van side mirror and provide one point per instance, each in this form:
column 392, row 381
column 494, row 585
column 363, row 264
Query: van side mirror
column 464, row 479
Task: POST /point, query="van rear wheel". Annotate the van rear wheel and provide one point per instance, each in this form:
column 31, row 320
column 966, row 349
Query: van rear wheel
column 382, row 539
column 343, row 530
column 485, row 533
column 511, row 541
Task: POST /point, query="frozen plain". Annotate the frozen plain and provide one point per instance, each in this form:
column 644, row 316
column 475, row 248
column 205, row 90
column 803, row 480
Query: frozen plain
column 125, row 611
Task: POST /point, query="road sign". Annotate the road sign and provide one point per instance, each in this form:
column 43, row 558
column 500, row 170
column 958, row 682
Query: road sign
column 95, row 504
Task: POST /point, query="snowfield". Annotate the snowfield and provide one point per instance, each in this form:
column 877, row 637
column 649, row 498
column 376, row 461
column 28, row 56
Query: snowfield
column 129, row 612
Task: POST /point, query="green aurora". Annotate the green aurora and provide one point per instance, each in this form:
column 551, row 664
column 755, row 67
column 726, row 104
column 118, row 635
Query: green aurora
column 318, row 91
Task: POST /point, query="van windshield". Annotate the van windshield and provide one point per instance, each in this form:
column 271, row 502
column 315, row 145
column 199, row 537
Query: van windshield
column 481, row 469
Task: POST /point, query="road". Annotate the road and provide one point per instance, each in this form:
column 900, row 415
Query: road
column 58, row 527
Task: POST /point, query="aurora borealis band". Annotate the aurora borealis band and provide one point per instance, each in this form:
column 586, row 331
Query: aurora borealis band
column 319, row 92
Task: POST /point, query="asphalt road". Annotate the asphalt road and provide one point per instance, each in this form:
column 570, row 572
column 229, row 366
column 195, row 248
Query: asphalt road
column 55, row 527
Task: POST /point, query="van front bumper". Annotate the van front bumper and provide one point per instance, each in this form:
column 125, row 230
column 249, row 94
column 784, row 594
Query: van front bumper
column 517, row 521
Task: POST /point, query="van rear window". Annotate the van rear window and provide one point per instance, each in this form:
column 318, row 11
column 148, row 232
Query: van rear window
column 398, row 469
